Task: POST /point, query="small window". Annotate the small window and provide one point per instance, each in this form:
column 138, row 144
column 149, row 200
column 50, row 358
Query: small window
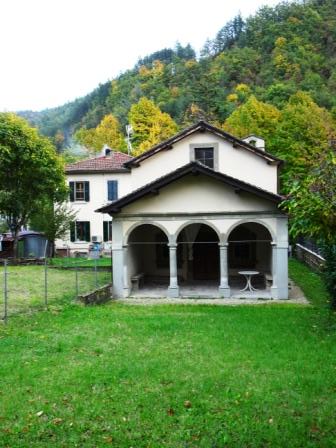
column 79, row 191
column 80, row 231
column 205, row 156
column 112, row 190
column 107, row 230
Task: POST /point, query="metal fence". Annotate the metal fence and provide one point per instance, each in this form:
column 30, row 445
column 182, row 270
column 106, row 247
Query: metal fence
column 30, row 285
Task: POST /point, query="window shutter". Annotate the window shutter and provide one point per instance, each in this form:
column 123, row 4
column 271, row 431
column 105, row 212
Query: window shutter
column 105, row 230
column 73, row 231
column 112, row 190
column 87, row 231
column 72, row 191
column 87, row 191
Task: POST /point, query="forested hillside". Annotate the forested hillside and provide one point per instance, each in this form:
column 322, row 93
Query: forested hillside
column 271, row 55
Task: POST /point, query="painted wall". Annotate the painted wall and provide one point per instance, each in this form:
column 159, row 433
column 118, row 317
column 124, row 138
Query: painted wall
column 235, row 162
column 195, row 194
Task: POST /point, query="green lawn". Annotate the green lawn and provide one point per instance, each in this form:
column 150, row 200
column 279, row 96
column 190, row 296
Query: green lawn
column 170, row 376
column 26, row 286
column 80, row 262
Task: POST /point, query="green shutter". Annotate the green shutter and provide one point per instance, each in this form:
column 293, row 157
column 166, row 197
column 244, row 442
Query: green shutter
column 72, row 191
column 72, row 231
column 87, row 191
column 105, row 230
column 87, row 233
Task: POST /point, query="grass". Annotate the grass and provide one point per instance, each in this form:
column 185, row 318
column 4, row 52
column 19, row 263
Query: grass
column 170, row 376
column 80, row 262
column 26, row 286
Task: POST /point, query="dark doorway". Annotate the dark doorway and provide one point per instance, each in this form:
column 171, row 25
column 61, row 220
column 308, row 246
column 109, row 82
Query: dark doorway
column 198, row 254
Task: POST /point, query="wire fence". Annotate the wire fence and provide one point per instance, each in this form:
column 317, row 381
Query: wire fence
column 28, row 286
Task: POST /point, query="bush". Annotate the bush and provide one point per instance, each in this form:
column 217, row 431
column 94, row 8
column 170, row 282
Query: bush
column 329, row 272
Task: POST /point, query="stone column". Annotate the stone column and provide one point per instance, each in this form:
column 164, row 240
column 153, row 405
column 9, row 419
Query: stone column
column 224, row 289
column 173, row 289
column 279, row 289
column 126, row 288
column 118, row 262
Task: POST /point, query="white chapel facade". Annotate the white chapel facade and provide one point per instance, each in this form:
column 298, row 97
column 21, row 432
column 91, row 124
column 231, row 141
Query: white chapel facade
column 195, row 210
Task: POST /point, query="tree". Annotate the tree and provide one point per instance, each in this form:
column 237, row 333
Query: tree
column 253, row 117
column 302, row 134
column 107, row 132
column 311, row 203
column 31, row 172
column 54, row 220
column 150, row 125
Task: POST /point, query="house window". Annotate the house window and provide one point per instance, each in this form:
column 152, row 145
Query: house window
column 205, row 156
column 79, row 191
column 107, row 230
column 112, row 190
column 80, row 231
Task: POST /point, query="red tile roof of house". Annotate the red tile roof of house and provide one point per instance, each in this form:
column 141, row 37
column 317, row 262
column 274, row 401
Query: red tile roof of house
column 111, row 163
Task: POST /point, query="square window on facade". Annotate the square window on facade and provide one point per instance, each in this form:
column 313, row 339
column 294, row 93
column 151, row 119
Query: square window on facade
column 205, row 156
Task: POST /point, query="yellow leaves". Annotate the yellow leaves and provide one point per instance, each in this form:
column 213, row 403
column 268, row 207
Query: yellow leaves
column 280, row 42
column 150, row 125
column 107, row 132
column 174, row 91
column 232, row 98
column 144, row 71
column 191, row 63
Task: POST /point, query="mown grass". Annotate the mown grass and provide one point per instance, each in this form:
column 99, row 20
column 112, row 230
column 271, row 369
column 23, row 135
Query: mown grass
column 169, row 376
column 26, row 286
column 80, row 262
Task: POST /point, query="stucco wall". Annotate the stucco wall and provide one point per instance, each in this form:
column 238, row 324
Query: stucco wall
column 235, row 162
column 195, row 194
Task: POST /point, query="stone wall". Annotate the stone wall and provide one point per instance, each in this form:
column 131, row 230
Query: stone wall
column 312, row 259
column 98, row 296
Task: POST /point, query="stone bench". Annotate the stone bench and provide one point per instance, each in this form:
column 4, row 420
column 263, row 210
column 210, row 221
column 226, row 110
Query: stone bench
column 137, row 281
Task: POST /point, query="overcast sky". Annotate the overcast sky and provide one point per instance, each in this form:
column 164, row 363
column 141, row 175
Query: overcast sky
column 53, row 51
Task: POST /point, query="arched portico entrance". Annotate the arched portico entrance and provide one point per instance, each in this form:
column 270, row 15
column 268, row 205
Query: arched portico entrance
column 250, row 249
column 198, row 256
column 148, row 257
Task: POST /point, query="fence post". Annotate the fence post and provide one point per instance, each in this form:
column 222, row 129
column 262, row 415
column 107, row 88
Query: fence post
column 76, row 277
column 96, row 273
column 45, row 282
column 5, row 293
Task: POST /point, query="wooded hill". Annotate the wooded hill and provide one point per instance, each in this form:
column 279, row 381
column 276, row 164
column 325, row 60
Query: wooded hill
column 271, row 55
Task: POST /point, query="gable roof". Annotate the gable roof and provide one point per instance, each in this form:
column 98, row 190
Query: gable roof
column 191, row 168
column 202, row 126
column 113, row 163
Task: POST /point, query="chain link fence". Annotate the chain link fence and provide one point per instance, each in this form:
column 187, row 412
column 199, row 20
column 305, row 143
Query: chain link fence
column 30, row 285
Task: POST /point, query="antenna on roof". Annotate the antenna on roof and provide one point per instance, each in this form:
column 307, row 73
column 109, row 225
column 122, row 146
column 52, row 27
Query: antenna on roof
column 129, row 132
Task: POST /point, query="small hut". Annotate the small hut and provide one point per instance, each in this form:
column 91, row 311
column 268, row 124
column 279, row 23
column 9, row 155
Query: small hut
column 31, row 244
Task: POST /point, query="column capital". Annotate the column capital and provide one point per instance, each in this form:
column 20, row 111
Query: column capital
column 223, row 244
column 172, row 245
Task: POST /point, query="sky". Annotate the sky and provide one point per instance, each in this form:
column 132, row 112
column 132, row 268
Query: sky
column 53, row 51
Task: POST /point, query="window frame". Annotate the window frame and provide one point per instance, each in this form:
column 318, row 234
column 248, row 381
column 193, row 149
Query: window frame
column 85, row 197
column 74, row 232
column 214, row 145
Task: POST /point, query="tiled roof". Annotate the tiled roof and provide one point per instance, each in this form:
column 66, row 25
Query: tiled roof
column 113, row 162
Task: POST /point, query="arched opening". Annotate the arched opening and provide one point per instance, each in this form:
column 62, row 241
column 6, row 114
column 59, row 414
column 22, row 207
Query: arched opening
column 250, row 250
column 198, row 255
column 148, row 260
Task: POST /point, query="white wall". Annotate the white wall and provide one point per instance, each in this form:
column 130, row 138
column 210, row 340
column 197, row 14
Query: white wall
column 203, row 195
column 194, row 194
column 235, row 162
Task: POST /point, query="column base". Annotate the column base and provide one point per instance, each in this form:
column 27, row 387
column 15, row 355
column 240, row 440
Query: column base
column 279, row 293
column 224, row 292
column 173, row 292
